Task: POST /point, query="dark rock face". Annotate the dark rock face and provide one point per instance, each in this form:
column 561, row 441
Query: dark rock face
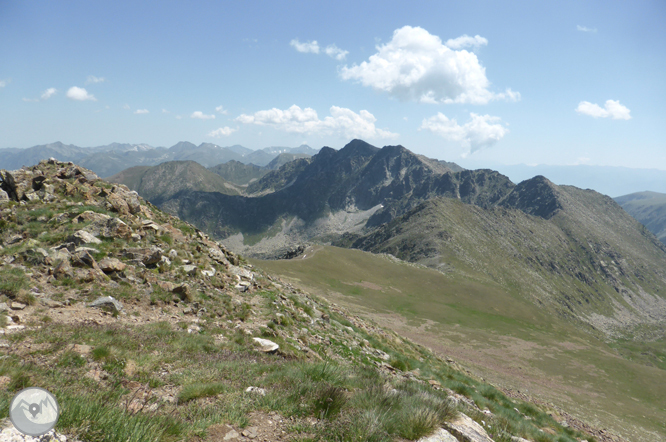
column 537, row 196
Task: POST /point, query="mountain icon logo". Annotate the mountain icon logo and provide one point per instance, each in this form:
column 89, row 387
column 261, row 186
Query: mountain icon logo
column 34, row 411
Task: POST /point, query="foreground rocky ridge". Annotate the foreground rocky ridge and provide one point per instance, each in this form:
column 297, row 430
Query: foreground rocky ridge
column 147, row 329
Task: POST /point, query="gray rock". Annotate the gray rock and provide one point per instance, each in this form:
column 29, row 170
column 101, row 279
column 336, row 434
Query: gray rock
column 464, row 428
column 81, row 237
column 13, row 240
column 9, row 185
column 17, row 306
column 50, row 303
column 189, row 269
column 441, row 435
column 109, row 265
column 107, row 302
column 266, row 345
column 3, row 307
column 256, row 390
column 4, row 197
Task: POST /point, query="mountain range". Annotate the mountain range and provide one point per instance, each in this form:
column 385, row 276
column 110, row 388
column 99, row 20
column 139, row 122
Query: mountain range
column 113, row 158
column 573, row 251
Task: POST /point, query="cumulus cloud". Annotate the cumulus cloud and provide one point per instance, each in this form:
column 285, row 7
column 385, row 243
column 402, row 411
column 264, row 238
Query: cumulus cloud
column 80, row 94
column 49, row 93
column 342, row 122
column 221, row 110
column 416, row 65
column 482, row 131
column 612, row 109
column 466, row 41
column 335, row 52
column 164, row 111
column 141, row 111
column 4, row 83
column 201, row 116
column 308, row 46
column 222, row 132
column 93, row 79
column 585, row 29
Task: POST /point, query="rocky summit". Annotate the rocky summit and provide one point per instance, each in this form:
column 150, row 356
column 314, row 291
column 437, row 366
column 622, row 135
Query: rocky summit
column 146, row 328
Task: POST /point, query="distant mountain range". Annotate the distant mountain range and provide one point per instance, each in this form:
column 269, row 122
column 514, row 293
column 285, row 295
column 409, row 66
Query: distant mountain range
column 649, row 208
column 573, row 251
column 113, row 158
column 609, row 180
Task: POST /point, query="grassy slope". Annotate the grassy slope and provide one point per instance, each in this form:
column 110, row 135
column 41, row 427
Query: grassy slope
column 506, row 339
column 649, row 208
column 162, row 181
column 577, row 263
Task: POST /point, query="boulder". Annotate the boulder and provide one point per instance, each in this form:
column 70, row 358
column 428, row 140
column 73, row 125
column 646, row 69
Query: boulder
column 107, row 302
column 37, row 182
column 35, row 257
column 218, row 256
column 147, row 256
column 109, row 265
column 91, row 216
column 81, row 237
column 184, row 292
column 83, row 258
column 464, row 428
column 63, row 270
column 9, row 185
column 441, row 435
column 189, row 269
column 118, row 204
column 4, row 197
column 266, row 346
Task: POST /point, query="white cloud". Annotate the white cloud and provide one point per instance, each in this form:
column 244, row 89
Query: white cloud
column 222, row 132
column 415, row 65
column 4, row 83
column 178, row 117
column 342, row 122
column 308, row 46
column 79, row 94
column 585, row 29
column 335, row 52
column 480, row 132
column 49, row 93
column 126, row 106
column 93, row 79
column 164, row 111
column 141, row 111
column 465, row 41
column 221, row 110
column 30, row 100
column 612, row 109
column 201, row 116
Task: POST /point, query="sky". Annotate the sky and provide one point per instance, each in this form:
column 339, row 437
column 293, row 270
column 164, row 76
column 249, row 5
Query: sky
column 475, row 82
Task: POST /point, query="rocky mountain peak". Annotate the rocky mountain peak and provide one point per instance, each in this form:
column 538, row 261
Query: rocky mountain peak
column 537, row 196
column 358, row 148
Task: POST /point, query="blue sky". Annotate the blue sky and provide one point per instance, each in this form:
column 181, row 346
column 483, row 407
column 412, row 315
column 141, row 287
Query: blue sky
column 476, row 82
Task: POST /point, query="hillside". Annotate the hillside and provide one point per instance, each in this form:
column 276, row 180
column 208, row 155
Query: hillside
column 649, row 208
column 161, row 182
column 576, row 253
column 239, row 173
column 145, row 328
